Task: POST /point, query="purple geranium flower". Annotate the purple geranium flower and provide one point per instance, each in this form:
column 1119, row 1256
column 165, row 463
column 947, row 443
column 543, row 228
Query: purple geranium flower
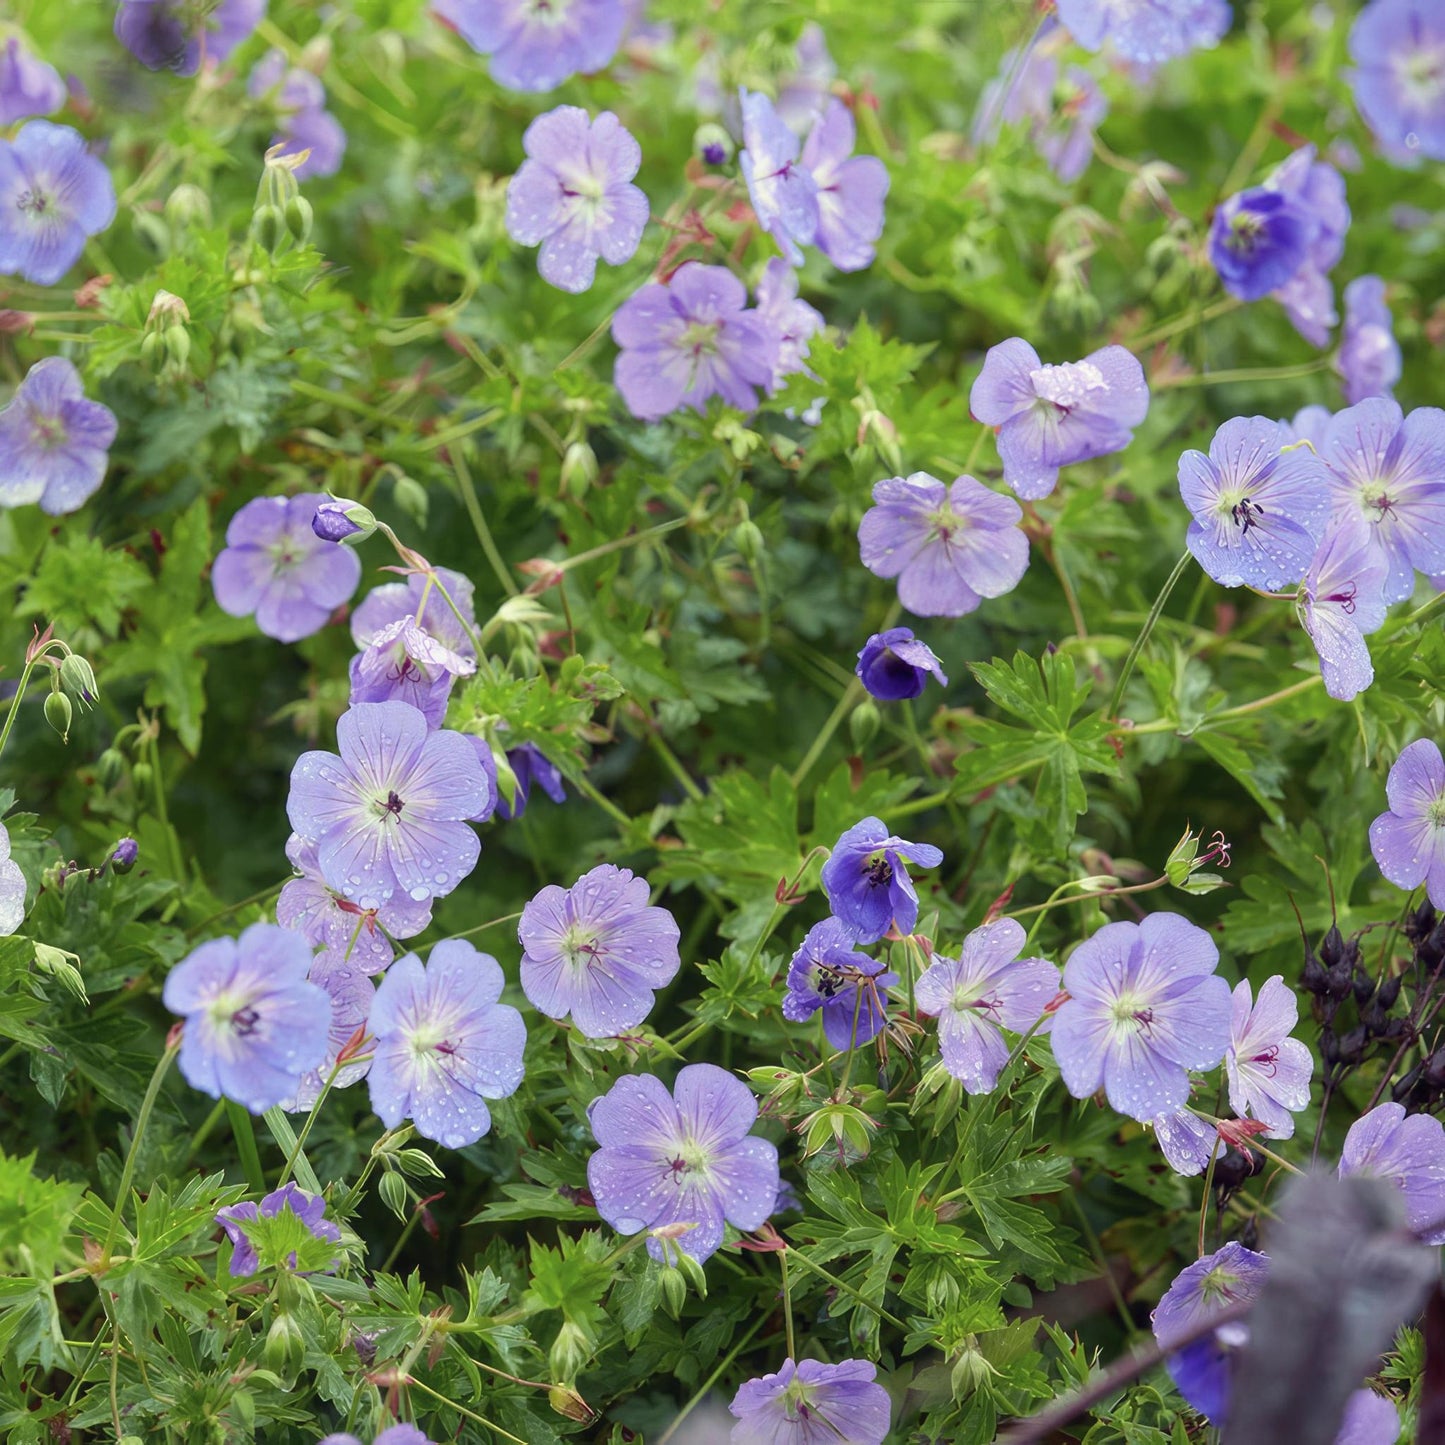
column 1341, row 600
column 536, row 47
column 1317, row 191
column 1409, row 841
column 782, row 188
column 444, row 1044
column 310, row 1209
column 12, row 888
column 28, row 86
column 392, row 1435
column 1259, row 240
column 949, row 547
column 1369, row 354
column 306, row 123
column 1145, row 1006
column 597, row 950
column 1258, row 509
column 850, row 190
column 868, row 887
column 54, row 443
column 1369, row 1419
column 1051, row 416
column 405, row 663
column 1309, row 424
column 254, row 1022
column 529, row 764
column 850, row 988
column 1398, row 47
column 53, row 194
column 574, row 195
column 1269, row 1072
column 1063, row 109
column 986, row 989
column 275, row 566
column 175, row 35
column 810, row 1403
column 1148, row 31
column 685, row 1158
column 690, row 340
column 386, row 816
column 1186, row 1141
column 1410, row 1153
column 351, row 993
column 791, row 322
column 1390, row 469
column 420, row 598
column 895, row 665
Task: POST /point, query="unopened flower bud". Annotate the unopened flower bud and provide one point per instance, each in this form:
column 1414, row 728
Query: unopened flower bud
column 712, row 145
column 411, row 499
column 579, row 469
column 61, row 966
column 267, row 226
column 341, row 520
column 393, row 1193
column 863, row 724
column 568, row 1403
column 570, row 1352
column 674, row 1290
column 140, row 778
column 167, row 309
column 110, row 767
column 77, row 677
column 970, row 1371
column 299, row 217
column 124, row 854
column 152, row 351
column 58, row 713
column 188, row 205
column 178, row 346
column 285, row 1349
column 747, row 537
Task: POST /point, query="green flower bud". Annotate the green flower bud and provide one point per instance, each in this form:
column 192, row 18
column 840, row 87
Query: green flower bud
column 579, row 469
column 674, row 1290
column 567, row 1402
column 57, row 963
column 57, row 714
column 77, row 677
column 299, row 217
column 178, row 346
column 863, row 724
column 748, row 539
column 110, row 768
column 394, row 1194
column 570, row 1352
column 140, row 778
column 266, row 226
column 970, row 1371
column 152, row 352
column 285, row 1349
column 342, row 520
column 712, row 145
column 411, row 499
column 419, row 1164
column 188, row 206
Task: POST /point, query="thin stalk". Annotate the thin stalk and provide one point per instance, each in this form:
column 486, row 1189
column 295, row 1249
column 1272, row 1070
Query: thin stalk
column 1139, row 642
column 712, row 1379
column 147, row 1107
column 416, row 1384
column 245, row 1134
column 1247, row 373
column 849, row 1290
column 851, row 696
column 479, row 524
column 787, row 1304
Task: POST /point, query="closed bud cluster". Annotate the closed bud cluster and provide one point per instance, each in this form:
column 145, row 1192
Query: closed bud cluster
column 77, row 677
column 58, row 713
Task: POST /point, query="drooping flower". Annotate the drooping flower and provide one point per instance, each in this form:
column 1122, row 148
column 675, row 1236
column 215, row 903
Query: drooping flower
column 12, row 888
column 1052, row 416
column 597, row 951
column 1410, row 1153
column 529, row 765
column 1258, row 510
column 809, row 1403
column 123, row 856
column 306, row 124
column 53, row 194
column 1390, row 469
column 1186, row 1141
column 850, row 190
column 28, row 86
column 254, row 1021
column 681, row 1158
column 310, row 1209
column 1408, row 841
column 386, row 817
column 338, row 520
column 690, row 340
column 174, row 35
column 574, row 196
column 949, row 547
column 275, row 566
column 352, row 993
column 986, row 989
column 1269, row 1072
column 1341, row 600
column 54, row 443
column 405, row 663
column 792, row 322
column 423, row 599
column 1369, row 354
column 781, row 187
column 1398, row 47
column 536, row 47
column 867, row 884
column 894, row 665
column 828, row 973
column 1147, row 31
column 444, row 1043
column 1145, row 1006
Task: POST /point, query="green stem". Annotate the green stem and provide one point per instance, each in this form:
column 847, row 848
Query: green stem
column 245, row 1134
column 479, row 524
column 713, row 1378
column 416, row 1384
column 848, row 1290
column 15, row 701
column 311, row 1116
column 173, row 842
column 1139, row 642
column 285, row 1136
column 1248, row 373
column 787, row 1305
column 851, row 695
column 147, row 1106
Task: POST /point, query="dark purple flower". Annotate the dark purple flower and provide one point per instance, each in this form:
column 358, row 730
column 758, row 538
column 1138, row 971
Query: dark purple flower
column 175, row 35
column 54, row 443
column 123, row 856
column 685, row 1158
column 1408, row 1151
column 574, row 196
column 387, row 815
column 1408, row 841
column 868, row 887
column 351, row 992
column 1259, row 239
column 254, row 1022
column 535, row 47
column 782, row 189
column 895, row 665
column 1147, row 31
column 275, row 566
column 1145, row 1006
column 828, row 973
column 28, row 86
column 1369, row 354
column 949, row 547
column 1051, row 416
column 53, row 194
column 690, row 340
column 811, row 1403
column 310, row 1209
column 791, row 322
column 598, row 951
column 1341, row 600
column 850, row 190
column 529, row 765
column 1269, row 1072
column 1398, row 47
column 335, row 520
column 405, row 663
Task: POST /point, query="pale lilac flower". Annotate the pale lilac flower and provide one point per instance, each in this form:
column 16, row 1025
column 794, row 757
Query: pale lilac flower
column 782, row 189
column 1269, row 1072
column 681, row 1158
column 1341, row 600
column 1369, row 354
column 1409, row 841
column 1259, row 510
column 574, row 196
column 53, row 194
column 175, row 35
column 12, row 888
column 1369, row 1419
column 310, row 1209
column 1063, row 108
column 1410, row 1153
column 895, row 666
column 28, row 86
column 867, row 884
column 536, row 47
column 804, row 92
column 1390, row 469
column 1145, row 1007
column 1309, row 424
column 1317, row 190
column 949, row 547
column 690, row 340
column 792, row 322
column 351, row 993
column 1398, row 47
column 421, row 599
column 405, row 663
column 598, row 951
column 1147, row 31
column 392, row 1435
column 54, row 443
column 1048, row 417
column 254, row 1022
column 386, row 816
column 850, row 190
column 275, row 566
column 828, row 973
column 986, row 989
column 1186, row 1141
column 444, row 1044
column 811, row 1403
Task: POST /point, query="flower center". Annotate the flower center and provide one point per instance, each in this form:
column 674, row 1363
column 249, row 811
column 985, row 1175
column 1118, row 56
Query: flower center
column 1244, row 513
column 234, row 1013
column 1132, row 1014
column 1422, row 75
column 389, row 807
column 580, row 946
column 700, row 338
column 944, row 523
column 47, row 432
column 690, row 1158
column 1375, row 498
column 1435, row 812
column 1267, row 1061
column 878, row 871
column 33, row 203
column 798, row 1400
column 1065, row 387
column 1245, row 232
